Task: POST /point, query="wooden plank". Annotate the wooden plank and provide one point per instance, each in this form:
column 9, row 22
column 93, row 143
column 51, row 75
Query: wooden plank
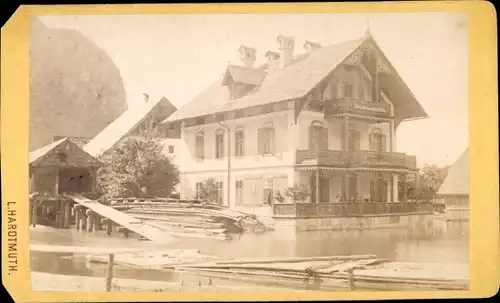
column 137, row 226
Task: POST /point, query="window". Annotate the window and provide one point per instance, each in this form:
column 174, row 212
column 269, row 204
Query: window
column 318, row 136
column 377, row 140
column 266, row 139
column 171, row 149
column 239, row 138
column 220, row 192
column 200, row 145
column 219, row 144
column 198, row 190
column 348, row 90
column 239, row 192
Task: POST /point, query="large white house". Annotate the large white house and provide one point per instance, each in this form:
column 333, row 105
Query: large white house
column 327, row 116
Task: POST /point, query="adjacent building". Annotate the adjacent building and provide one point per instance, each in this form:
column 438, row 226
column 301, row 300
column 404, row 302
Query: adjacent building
column 455, row 189
column 326, row 117
column 133, row 122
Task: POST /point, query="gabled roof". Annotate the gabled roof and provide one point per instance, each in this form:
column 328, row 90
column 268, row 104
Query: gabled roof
column 457, row 180
column 126, row 123
column 62, row 153
column 296, row 80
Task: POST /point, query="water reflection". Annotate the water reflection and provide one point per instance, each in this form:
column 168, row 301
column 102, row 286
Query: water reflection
column 452, row 245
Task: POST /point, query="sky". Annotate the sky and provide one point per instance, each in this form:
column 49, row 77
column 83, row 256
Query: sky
column 177, row 56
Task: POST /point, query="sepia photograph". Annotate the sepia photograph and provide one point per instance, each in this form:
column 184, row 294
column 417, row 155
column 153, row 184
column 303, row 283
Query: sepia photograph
column 249, row 152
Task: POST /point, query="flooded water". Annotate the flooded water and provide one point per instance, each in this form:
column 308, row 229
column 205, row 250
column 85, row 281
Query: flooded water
column 393, row 244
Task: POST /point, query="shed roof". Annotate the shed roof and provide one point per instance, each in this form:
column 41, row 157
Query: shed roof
column 294, row 81
column 457, row 180
column 62, row 153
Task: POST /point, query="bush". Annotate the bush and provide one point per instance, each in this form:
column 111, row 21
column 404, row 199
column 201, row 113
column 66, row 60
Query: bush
column 279, row 197
column 137, row 168
column 208, row 191
column 297, row 193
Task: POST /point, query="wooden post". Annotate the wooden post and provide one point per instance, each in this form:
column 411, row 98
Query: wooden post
column 97, row 222
column 90, row 220
column 350, row 279
column 346, row 187
column 346, row 133
column 67, row 214
column 109, row 227
column 317, row 185
column 60, row 207
column 56, row 183
column 77, row 209
column 405, row 189
column 391, row 135
column 33, row 212
column 109, row 273
column 83, row 219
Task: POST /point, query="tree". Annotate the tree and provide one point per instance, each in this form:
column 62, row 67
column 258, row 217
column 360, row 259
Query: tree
column 297, row 193
column 137, row 167
column 208, row 190
column 433, row 176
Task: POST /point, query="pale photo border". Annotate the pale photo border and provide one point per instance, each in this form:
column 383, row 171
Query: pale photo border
column 484, row 191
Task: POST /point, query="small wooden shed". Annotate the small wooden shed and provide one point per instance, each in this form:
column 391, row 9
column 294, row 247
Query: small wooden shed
column 59, row 167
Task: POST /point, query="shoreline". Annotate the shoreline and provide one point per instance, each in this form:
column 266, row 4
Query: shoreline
column 41, row 281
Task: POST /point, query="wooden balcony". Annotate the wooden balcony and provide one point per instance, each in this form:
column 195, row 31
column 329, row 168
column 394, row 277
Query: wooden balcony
column 339, row 107
column 318, row 210
column 356, row 158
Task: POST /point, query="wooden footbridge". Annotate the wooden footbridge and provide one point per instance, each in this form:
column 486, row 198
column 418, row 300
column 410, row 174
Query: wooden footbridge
column 140, row 227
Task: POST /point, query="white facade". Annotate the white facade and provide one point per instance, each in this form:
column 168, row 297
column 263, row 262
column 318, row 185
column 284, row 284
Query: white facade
column 254, row 169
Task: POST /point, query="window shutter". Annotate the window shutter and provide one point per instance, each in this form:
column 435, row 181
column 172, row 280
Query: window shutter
column 342, row 138
column 311, row 139
column 271, row 140
column 260, row 141
column 324, row 138
column 371, row 141
column 372, row 191
column 383, row 143
column 384, row 194
column 358, row 140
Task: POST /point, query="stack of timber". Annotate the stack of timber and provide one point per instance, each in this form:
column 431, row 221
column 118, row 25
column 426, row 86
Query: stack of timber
column 337, row 272
column 190, row 218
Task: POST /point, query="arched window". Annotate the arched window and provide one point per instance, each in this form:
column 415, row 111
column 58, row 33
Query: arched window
column 266, row 139
column 318, row 136
column 377, row 140
column 200, row 145
column 219, row 144
column 239, row 138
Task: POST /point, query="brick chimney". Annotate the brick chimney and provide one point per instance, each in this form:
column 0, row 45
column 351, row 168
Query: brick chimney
column 310, row 46
column 273, row 60
column 286, row 46
column 248, row 55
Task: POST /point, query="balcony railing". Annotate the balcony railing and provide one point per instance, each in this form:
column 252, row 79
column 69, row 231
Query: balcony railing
column 356, row 158
column 352, row 106
column 314, row 210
